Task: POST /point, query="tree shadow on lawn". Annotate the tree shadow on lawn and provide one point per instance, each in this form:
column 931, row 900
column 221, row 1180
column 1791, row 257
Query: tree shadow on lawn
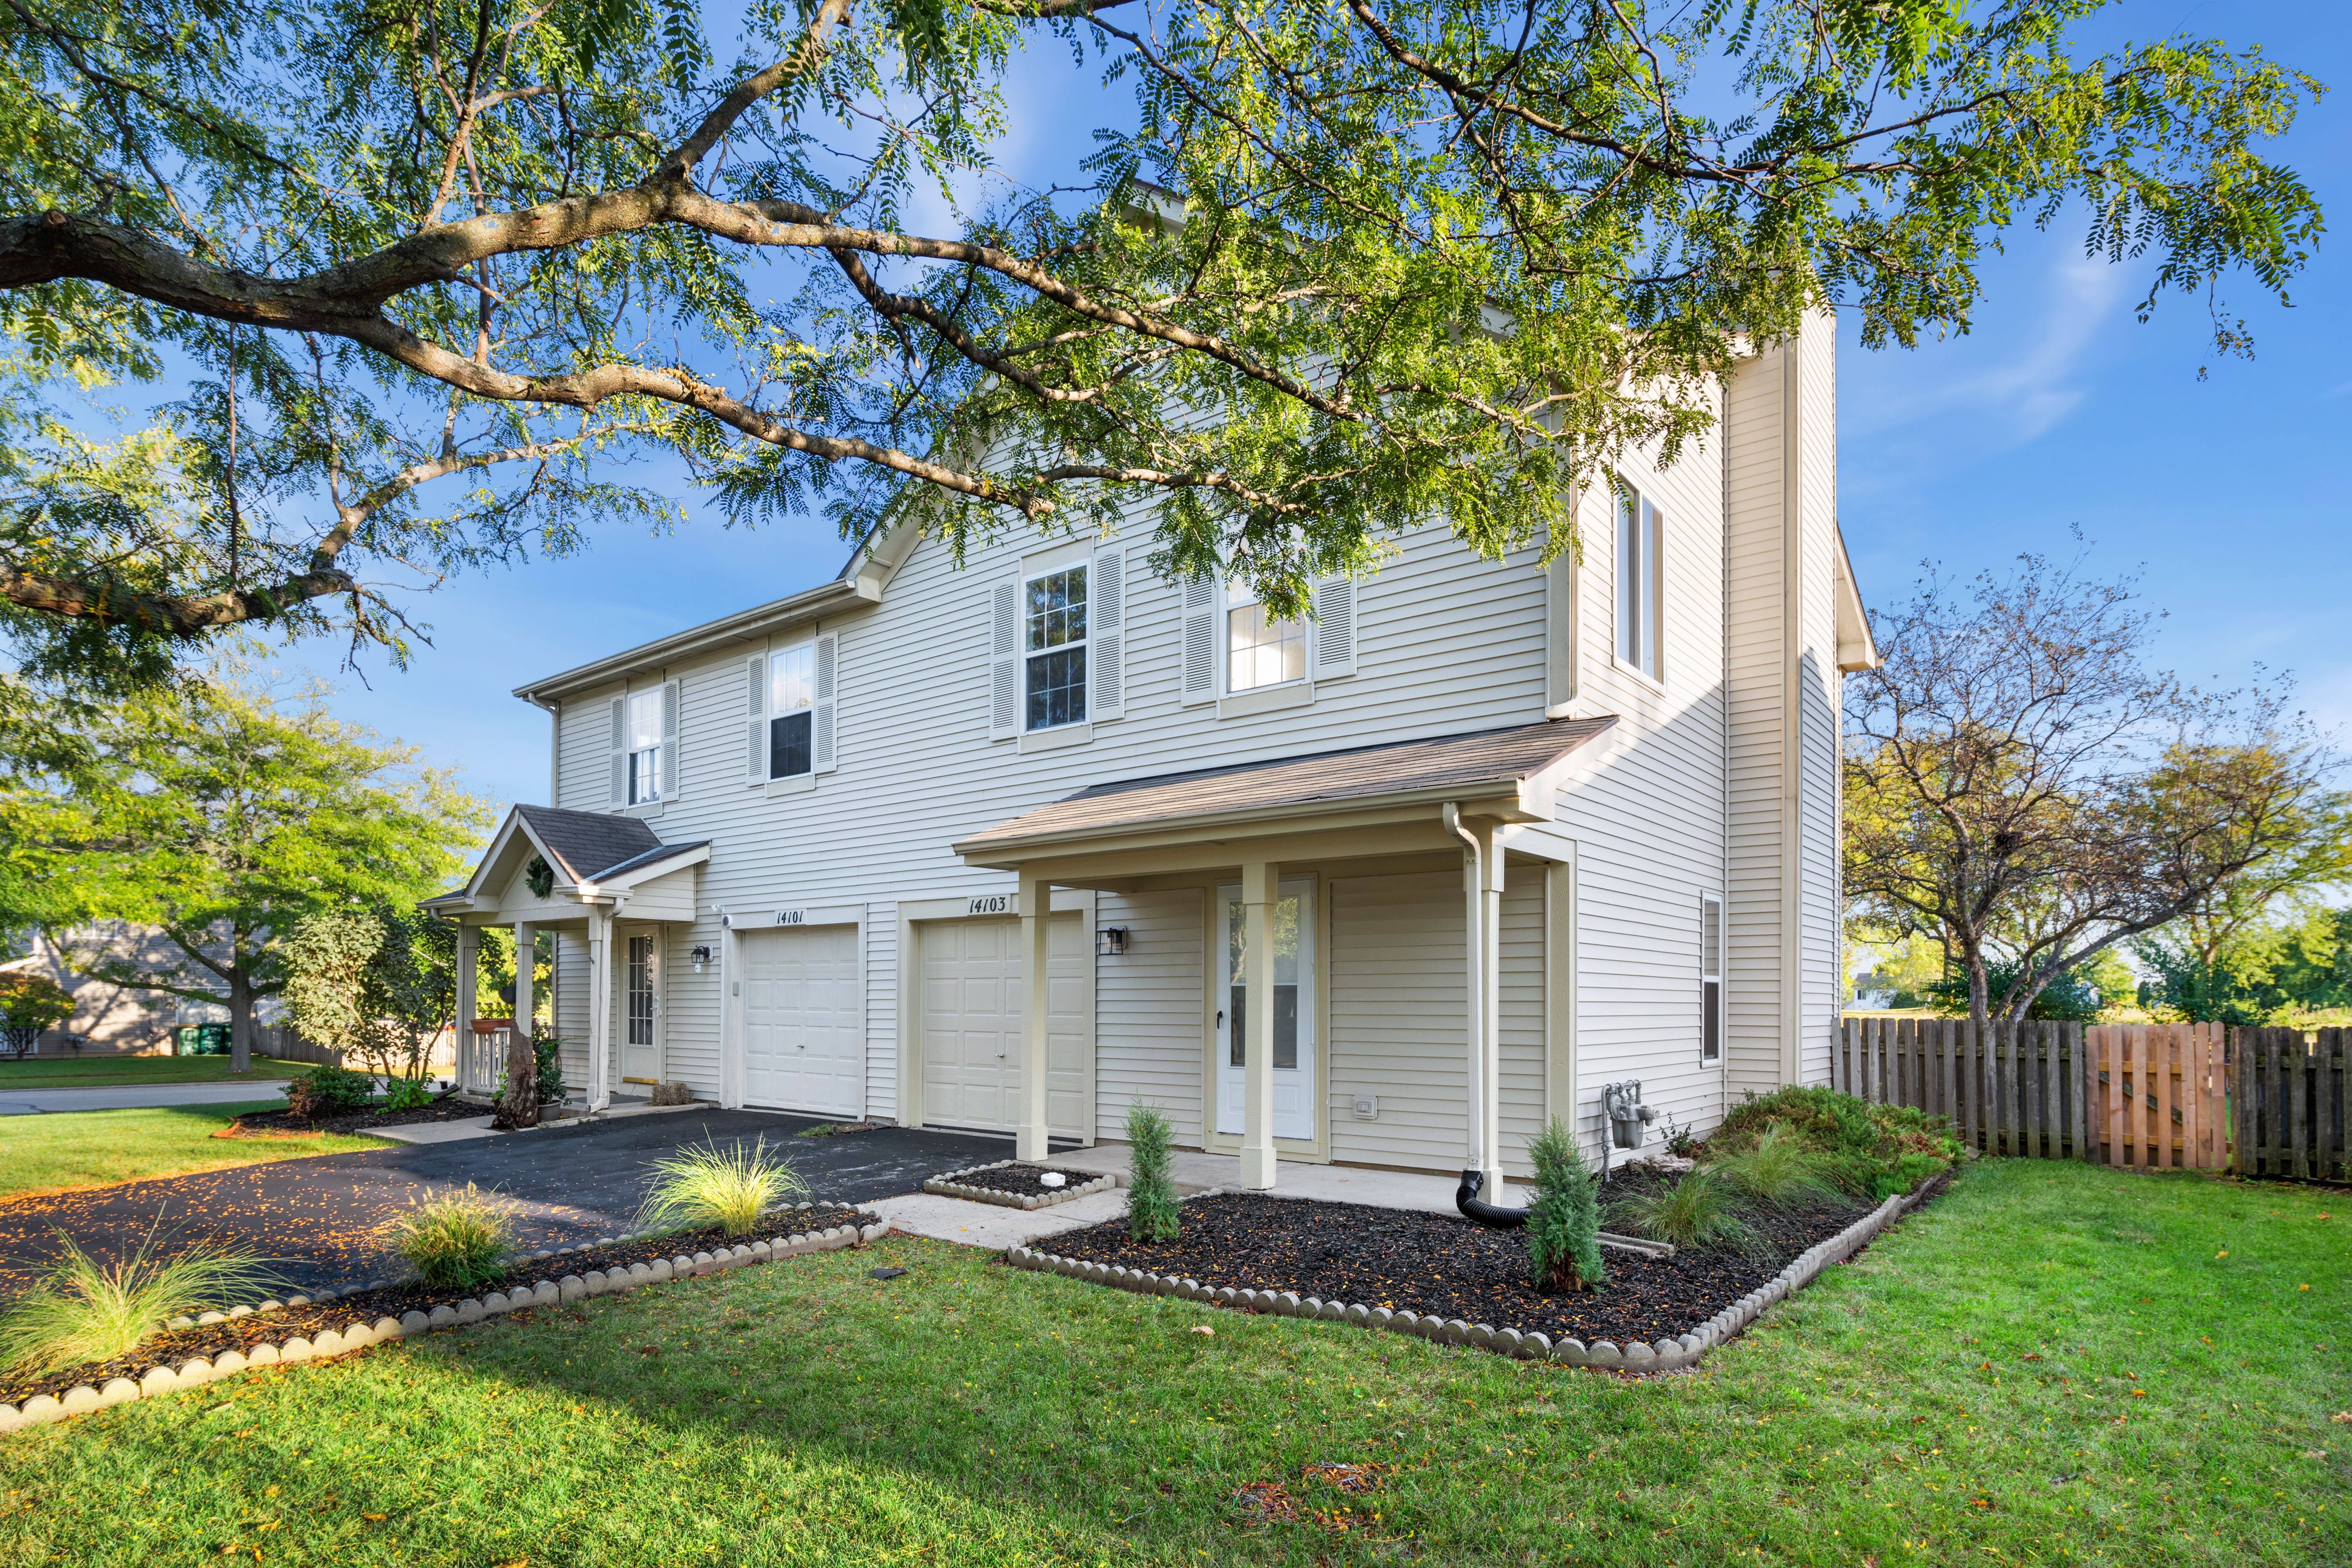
column 1955, row 1389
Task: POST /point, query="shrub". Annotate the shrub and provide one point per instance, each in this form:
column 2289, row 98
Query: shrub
column 731, row 1188
column 30, row 1001
column 85, row 1311
column 1865, row 1148
column 328, row 1090
column 1563, row 1224
column 1152, row 1192
column 407, row 1094
column 1699, row 1209
column 547, row 1051
column 456, row 1240
column 1778, row 1167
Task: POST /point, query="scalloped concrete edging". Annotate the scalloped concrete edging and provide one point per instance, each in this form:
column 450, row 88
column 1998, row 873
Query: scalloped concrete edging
column 949, row 1187
column 1664, row 1355
column 43, row 1408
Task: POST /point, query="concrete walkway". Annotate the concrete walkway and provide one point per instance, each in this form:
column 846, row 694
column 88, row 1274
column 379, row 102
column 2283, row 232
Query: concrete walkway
column 47, row 1101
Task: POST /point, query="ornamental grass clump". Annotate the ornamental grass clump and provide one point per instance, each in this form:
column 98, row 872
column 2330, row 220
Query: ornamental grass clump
column 1700, row 1208
column 1151, row 1191
column 729, row 1189
column 1779, row 1167
column 1563, row 1228
column 456, row 1240
column 85, row 1311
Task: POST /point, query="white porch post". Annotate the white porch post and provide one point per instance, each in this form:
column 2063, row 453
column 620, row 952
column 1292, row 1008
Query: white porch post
column 526, row 1002
column 461, row 1047
column 1036, row 956
column 600, row 1006
column 1490, row 1009
column 1259, row 888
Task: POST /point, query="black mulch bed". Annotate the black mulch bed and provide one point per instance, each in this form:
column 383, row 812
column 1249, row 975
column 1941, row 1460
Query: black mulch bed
column 1441, row 1264
column 266, row 1123
column 1022, row 1180
column 209, row 1340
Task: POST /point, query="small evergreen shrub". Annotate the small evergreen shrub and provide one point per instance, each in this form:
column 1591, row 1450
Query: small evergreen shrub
column 729, row 1188
column 85, row 1311
column 1698, row 1210
column 548, row 1052
column 407, row 1094
column 328, row 1090
column 1778, row 1167
column 1563, row 1224
column 1151, row 1191
column 456, row 1240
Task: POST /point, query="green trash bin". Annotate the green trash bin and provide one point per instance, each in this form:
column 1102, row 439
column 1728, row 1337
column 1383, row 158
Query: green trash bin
column 203, row 1040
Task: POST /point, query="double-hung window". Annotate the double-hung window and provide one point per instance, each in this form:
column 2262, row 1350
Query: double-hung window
column 1640, row 600
column 1259, row 651
column 645, row 747
column 1053, row 647
column 791, row 710
column 1710, row 979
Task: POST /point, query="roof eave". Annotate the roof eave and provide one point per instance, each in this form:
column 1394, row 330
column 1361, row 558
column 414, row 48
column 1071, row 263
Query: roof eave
column 853, row 588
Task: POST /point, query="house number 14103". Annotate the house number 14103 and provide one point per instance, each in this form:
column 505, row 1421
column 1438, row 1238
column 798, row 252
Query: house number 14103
column 993, row 904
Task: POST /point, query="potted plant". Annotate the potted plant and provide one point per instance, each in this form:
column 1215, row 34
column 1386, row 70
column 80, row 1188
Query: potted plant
column 28, row 1003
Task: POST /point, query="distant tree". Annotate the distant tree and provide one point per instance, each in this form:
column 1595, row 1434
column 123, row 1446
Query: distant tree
column 2021, row 786
column 219, row 815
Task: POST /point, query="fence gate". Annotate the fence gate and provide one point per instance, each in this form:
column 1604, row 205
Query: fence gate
column 2159, row 1094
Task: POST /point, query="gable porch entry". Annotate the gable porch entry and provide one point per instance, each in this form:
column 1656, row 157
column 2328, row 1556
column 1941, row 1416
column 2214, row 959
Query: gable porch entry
column 1398, row 836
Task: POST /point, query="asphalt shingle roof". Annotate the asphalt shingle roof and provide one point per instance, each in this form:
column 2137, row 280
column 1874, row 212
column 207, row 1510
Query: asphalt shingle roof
column 1399, row 767
column 592, row 844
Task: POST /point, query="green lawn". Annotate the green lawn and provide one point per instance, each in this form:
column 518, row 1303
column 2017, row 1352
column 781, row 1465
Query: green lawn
column 134, row 1072
column 803, row 1412
column 98, row 1148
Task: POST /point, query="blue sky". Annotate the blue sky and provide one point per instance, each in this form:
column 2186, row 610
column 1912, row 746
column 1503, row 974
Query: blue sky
column 2058, row 412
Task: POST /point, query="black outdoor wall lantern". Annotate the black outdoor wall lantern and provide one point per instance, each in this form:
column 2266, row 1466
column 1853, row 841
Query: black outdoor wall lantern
column 1110, row 941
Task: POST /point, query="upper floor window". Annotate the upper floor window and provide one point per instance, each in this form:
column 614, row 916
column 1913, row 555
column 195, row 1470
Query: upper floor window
column 792, row 709
column 1260, row 651
column 1641, row 602
column 1054, row 648
column 645, row 746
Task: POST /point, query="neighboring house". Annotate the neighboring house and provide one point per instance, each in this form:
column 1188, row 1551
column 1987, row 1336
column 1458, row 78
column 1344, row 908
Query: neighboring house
column 1514, row 834
column 121, row 1019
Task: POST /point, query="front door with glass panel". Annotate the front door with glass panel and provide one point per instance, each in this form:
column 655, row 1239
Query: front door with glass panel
column 641, row 1031
column 1293, row 1012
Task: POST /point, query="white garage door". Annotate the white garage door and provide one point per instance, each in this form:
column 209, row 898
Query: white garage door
column 803, row 1041
column 972, row 1025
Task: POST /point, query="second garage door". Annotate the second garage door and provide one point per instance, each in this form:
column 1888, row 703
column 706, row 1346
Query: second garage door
column 804, row 1036
column 972, row 1026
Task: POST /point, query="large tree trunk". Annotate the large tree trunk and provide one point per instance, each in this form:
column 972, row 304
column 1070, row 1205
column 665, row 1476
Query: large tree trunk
column 518, row 1105
column 240, row 1013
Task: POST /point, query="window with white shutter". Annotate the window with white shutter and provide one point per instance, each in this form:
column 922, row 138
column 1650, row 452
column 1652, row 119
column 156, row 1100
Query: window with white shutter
column 1004, row 660
column 755, row 748
column 791, row 711
column 1200, row 640
column 1261, row 651
column 1053, row 647
column 1640, row 598
column 648, row 745
column 827, row 705
column 1109, row 633
column 671, row 696
column 1334, row 628
column 620, row 751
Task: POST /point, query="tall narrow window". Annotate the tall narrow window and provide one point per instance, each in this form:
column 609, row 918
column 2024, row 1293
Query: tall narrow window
column 645, row 747
column 1261, row 651
column 641, row 991
column 1710, row 979
column 1640, row 602
column 792, row 697
column 1054, row 648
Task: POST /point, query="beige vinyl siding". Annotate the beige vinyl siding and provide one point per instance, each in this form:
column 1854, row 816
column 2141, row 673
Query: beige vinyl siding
column 1149, row 1030
column 1521, row 1007
column 881, row 936
column 1398, row 1023
column 690, row 1010
column 570, row 1010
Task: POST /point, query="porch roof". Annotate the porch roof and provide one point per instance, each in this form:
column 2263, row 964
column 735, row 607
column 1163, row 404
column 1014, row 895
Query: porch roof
column 586, row 850
column 1481, row 763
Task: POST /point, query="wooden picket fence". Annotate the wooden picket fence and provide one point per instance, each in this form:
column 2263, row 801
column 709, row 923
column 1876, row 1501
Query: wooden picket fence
column 2141, row 1097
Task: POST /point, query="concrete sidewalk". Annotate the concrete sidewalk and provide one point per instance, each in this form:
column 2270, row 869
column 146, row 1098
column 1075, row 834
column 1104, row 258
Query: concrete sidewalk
column 51, row 1101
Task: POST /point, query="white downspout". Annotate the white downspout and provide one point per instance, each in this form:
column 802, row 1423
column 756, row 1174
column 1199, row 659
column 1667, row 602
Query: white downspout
column 1474, row 975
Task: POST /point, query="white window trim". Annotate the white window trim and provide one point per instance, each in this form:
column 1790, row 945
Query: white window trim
column 824, row 709
column 1712, row 903
column 1044, row 564
column 668, row 697
column 1655, row 588
column 1237, row 596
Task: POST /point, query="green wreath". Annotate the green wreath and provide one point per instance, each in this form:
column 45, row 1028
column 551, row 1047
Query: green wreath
column 540, row 877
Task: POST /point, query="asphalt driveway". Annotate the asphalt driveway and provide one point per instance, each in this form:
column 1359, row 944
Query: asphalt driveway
column 322, row 1217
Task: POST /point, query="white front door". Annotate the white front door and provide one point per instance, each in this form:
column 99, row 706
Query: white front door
column 804, row 1035
column 641, row 1009
column 970, row 1024
column 1294, row 1013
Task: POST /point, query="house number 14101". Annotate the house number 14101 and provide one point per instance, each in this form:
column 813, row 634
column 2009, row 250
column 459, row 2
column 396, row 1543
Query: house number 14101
column 791, row 917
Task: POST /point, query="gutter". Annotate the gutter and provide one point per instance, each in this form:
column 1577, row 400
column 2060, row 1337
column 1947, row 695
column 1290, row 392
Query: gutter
column 735, row 629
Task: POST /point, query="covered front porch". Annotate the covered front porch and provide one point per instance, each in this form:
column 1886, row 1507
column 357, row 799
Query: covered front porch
column 1274, row 848
column 614, row 888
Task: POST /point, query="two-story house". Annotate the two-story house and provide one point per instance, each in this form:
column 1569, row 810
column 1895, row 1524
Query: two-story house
column 1013, row 845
